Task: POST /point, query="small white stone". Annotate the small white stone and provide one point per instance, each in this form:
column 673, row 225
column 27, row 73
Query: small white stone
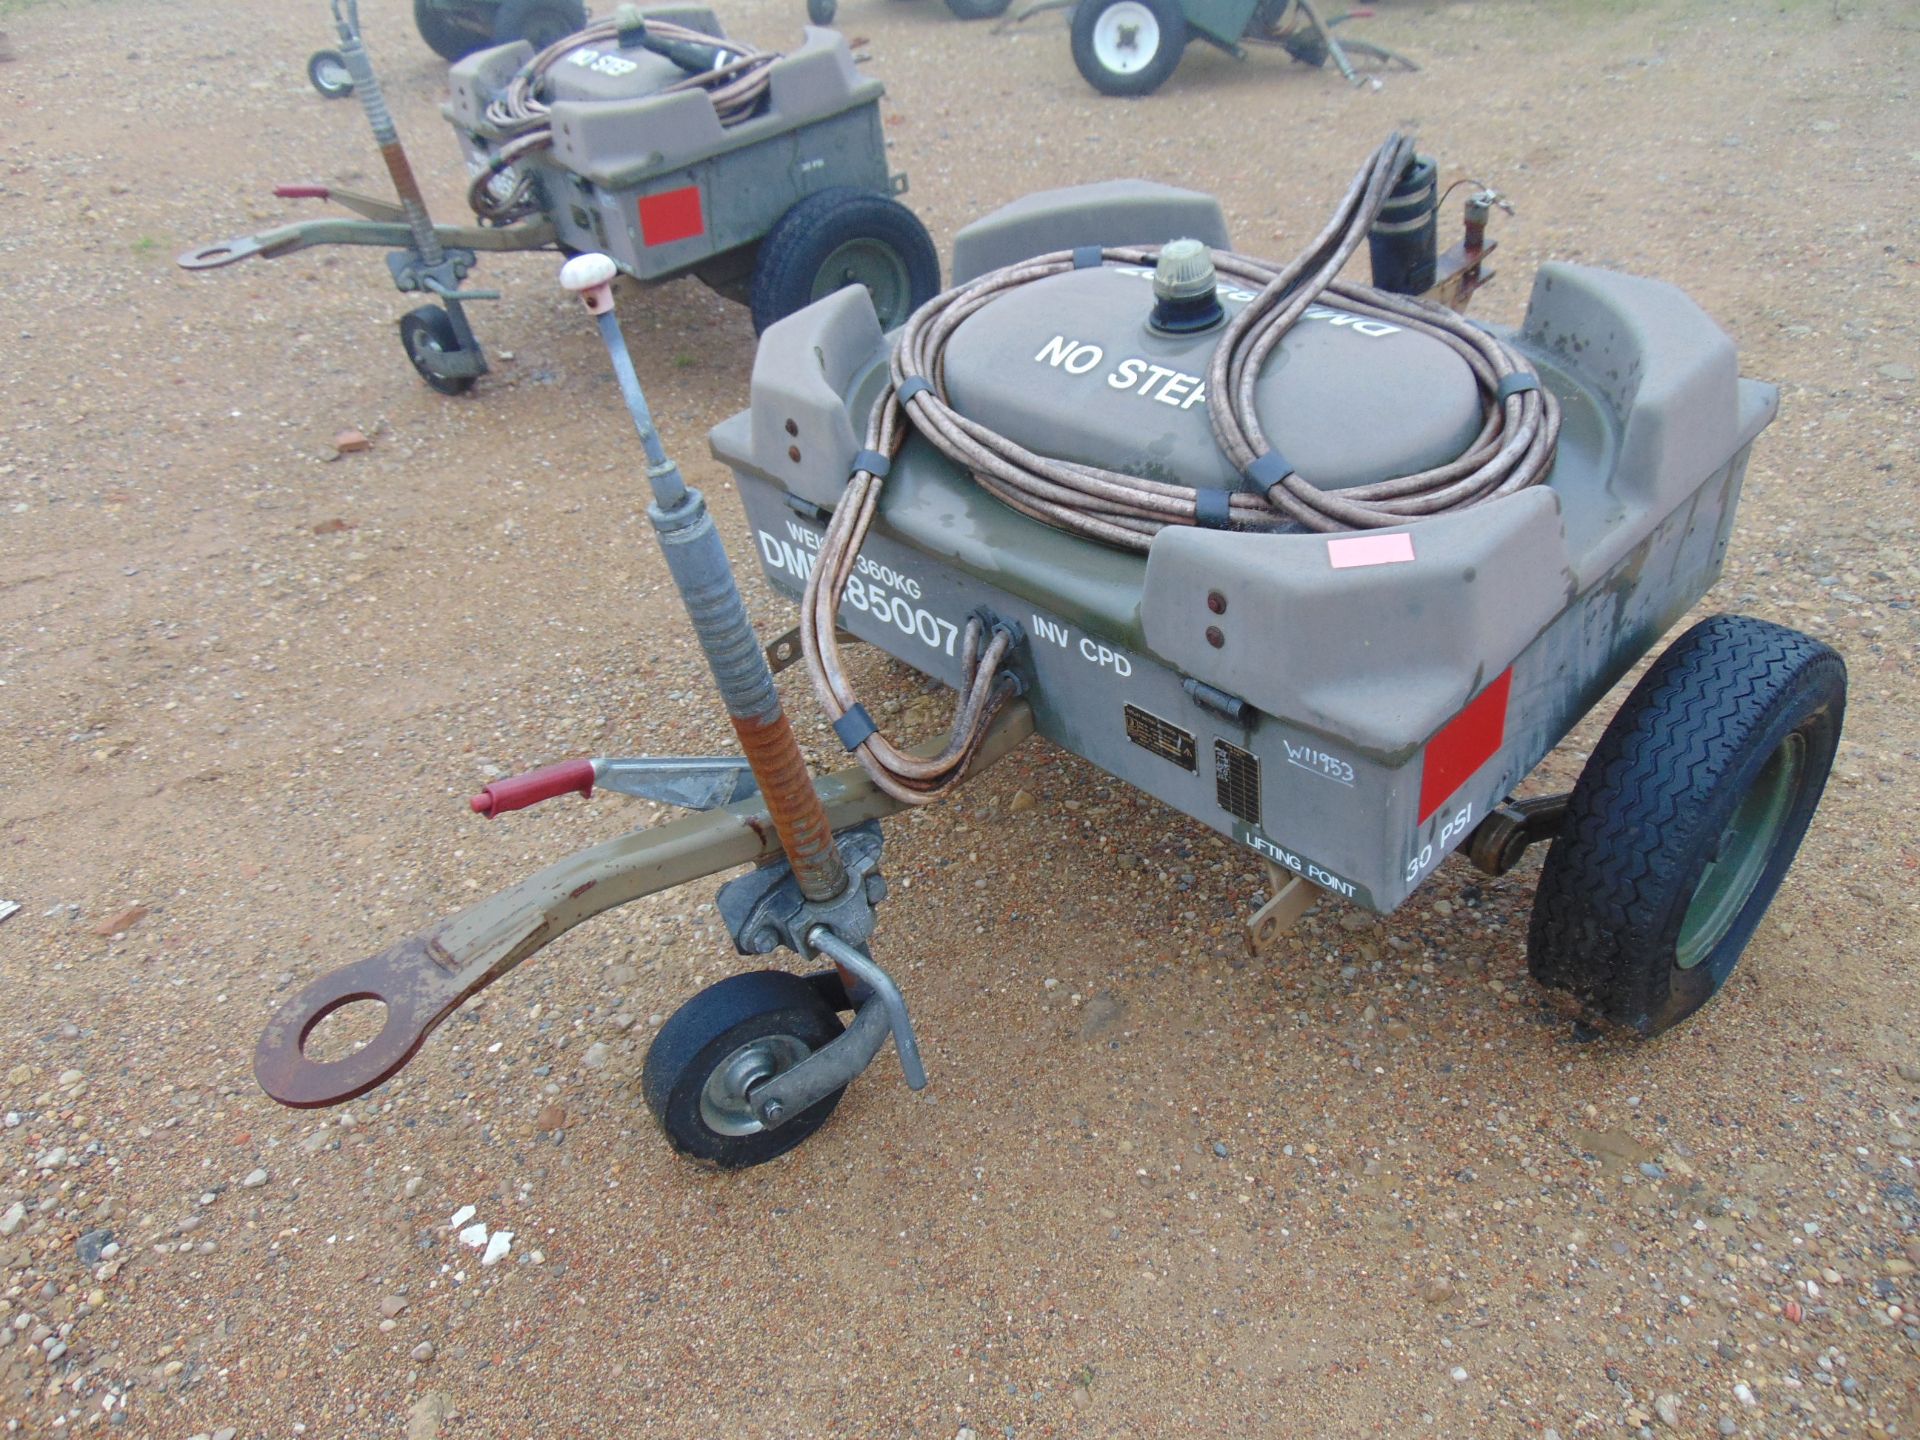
column 474, row 1236
column 254, row 1180
column 460, row 1217
column 1667, row 1407
column 1743, row 1394
column 1459, row 1374
column 10, row 1221
column 497, row 1247
column 596, row 1055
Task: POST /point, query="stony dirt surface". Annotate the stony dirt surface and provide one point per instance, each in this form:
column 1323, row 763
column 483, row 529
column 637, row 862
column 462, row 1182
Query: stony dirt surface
column 1370, row 1186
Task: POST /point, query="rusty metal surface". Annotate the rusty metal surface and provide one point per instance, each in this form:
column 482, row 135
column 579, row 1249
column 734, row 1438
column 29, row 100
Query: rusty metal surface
column 401, row 169
column 1462, row 270
column 1460, row 273
column 425, row 978
column 792, row 803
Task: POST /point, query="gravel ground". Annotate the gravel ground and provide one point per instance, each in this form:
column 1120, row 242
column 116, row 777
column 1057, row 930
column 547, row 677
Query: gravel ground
column 1369, row 1186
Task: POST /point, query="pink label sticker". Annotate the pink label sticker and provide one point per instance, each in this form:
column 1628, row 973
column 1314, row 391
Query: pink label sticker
column 1352, row 551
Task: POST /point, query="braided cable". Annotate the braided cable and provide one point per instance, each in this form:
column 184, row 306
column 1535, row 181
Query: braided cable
column 1512, row 449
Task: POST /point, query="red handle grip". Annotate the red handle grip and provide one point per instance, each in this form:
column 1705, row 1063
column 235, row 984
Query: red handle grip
column 519, row 791
column 302, row 192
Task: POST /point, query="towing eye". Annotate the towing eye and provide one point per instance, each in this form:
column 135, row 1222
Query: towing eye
column 423, row 979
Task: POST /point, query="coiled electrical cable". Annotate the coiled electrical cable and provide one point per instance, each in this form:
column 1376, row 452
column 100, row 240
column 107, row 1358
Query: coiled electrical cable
column 733, row 73
column 1514, row 447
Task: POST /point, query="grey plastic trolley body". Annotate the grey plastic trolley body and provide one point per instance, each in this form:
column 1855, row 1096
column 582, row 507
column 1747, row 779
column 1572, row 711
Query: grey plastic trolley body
column 1348, row 707
column 651, row 178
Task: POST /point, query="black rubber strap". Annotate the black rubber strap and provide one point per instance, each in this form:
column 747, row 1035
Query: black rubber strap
column 1267, row 471
column 1088, row 257
column 910, row 387
column 855, row 727
column 1213, row 509
column 1517, row 383
column 873, row 462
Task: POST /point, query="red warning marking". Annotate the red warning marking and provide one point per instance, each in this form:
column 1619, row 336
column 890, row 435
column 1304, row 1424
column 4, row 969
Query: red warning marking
column 671, row 215
column 1464, row 744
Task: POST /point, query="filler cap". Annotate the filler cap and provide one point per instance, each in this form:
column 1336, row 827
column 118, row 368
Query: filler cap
column 1184, row 296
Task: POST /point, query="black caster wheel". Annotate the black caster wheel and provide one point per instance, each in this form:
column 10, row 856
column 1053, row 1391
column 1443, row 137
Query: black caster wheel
column 327, row 73
column 710, row 1055
column 978, row 9
column 1685, row 819
column 427, row 333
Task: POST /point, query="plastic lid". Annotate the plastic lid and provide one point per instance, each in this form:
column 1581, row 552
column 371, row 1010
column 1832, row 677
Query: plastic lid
column 1184, row 271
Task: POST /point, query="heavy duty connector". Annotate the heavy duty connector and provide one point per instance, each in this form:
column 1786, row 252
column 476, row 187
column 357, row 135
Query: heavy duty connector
column 765, row 910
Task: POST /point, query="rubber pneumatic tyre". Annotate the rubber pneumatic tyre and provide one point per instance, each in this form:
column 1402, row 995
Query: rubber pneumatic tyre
column 424, row 332
column 445, row 35
column 978, row 9
column 1685, row 819
column 821, row 12
column 839, row 237
column 539, row 22
column 701, row 1066
column 327, row 73
column 1128, row 47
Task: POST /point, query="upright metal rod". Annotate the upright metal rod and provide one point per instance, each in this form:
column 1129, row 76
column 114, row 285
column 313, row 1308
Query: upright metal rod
column 346, row 18
column 698, row 562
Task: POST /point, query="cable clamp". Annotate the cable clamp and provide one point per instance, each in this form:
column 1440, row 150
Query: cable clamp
column 993, row 623
column 1518, row 383
column 910, row 387
column 873, row 462
column 1017, row 651
column 855, row 727
column 1088, row 257
column 1213, row 509
column 1267, row 471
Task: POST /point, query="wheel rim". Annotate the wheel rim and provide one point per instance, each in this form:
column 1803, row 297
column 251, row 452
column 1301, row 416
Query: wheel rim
column 874, row 264
column 726, row 1104
column 1126, row 37
column 332, row 75
column 420, row 346
column 1744, row 849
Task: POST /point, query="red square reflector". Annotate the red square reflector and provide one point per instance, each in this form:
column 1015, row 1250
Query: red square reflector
column 671, row 215
column 1464, row 744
